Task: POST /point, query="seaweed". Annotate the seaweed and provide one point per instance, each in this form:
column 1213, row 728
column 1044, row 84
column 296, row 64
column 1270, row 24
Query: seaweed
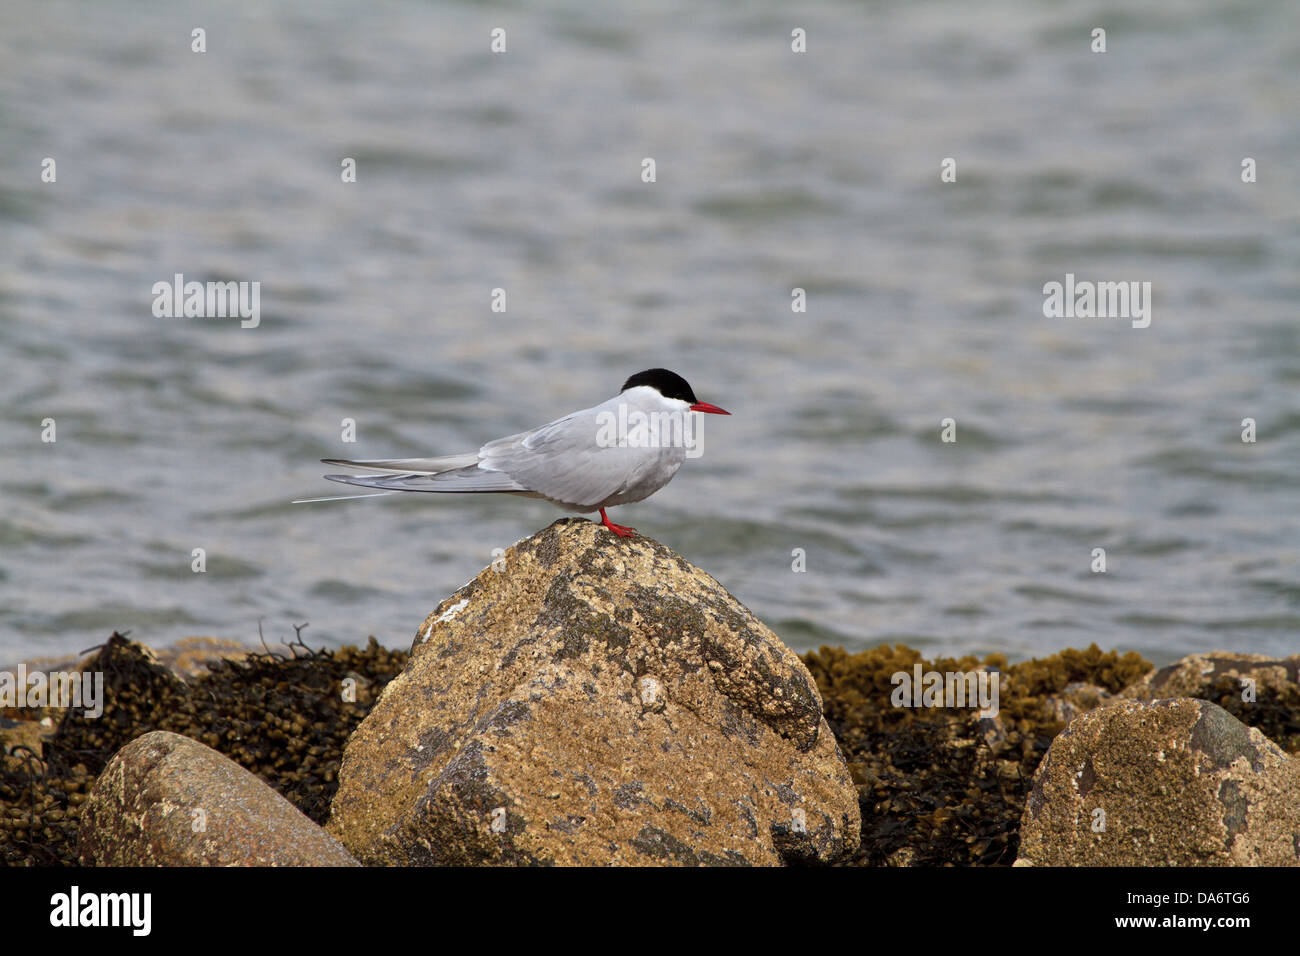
column 284, row 716
column 940, row 786
column 936, row 786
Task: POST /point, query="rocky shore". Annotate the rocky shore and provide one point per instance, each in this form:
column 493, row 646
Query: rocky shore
column 591, row 701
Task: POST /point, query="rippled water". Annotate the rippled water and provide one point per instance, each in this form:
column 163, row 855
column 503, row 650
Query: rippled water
column 774, row 170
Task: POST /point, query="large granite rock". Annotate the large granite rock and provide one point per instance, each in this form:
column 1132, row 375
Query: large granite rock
column 1167, row 783
column 167, row 800
column 592, row 700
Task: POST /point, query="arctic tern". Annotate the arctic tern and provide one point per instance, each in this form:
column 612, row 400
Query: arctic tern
column 587, row 461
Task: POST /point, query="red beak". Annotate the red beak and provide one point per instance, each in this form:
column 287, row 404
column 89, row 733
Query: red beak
column 711, row 409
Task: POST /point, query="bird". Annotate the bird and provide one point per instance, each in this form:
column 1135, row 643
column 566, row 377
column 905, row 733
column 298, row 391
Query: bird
column 622, row 450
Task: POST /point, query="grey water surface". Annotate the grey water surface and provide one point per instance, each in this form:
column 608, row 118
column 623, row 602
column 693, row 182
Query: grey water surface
column 775, row 170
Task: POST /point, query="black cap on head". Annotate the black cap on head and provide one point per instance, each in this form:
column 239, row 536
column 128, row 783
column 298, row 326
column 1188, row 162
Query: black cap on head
column 669, row 384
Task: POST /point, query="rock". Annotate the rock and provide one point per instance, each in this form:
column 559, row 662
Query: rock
column 1075, row 699
column 191, row 656
column 903, row 856
column 161, row 788
column 1197, row 674
column 1168, row 783
column 595, row 701
column 188, row 658
column 23, row 736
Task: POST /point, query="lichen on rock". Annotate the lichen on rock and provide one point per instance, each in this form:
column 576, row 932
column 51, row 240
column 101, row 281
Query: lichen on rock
column 596, row 701
column 1173, row 782
column 167, row 800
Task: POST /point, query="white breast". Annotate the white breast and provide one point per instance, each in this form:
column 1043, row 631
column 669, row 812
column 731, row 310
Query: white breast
column 654, row 469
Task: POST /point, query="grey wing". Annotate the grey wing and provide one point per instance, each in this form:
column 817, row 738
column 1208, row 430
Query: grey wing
column 463, row 480
column 563, row 461
column 450, row 474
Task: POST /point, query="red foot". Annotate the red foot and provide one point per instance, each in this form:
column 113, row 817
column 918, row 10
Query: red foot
column 621, row 530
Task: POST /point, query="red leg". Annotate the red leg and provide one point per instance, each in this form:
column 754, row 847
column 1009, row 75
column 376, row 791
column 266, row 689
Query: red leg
column 620, row 530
